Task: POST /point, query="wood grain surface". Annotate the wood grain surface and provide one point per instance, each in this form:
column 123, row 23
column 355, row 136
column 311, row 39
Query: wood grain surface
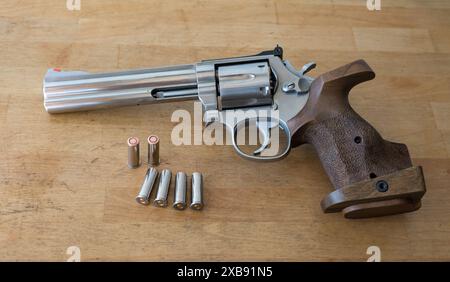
column 64, row 180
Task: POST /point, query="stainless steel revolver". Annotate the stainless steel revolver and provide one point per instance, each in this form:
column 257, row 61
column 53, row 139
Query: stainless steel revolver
column 371, row 176
column 264, row 82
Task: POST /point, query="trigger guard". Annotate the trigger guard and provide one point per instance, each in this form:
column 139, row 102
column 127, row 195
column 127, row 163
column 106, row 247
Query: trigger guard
column 282, row 125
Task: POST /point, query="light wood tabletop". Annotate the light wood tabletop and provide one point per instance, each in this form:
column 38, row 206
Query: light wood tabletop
column 64, row 179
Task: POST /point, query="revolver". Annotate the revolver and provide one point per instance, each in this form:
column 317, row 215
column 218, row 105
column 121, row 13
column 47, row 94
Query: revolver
column 370, row 176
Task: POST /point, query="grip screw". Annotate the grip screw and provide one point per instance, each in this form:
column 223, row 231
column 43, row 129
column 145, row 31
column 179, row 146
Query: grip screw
column 382, row 186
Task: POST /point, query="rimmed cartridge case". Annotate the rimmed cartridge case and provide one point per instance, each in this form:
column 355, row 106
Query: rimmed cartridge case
column 163, row 188
column 179, row 195
column 133, row 152
column 153, row 150
column 146, row 188
column 197, row 191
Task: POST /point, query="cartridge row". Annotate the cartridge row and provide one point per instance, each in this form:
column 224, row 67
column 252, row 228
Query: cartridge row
column 134, row 154
column 180, row 193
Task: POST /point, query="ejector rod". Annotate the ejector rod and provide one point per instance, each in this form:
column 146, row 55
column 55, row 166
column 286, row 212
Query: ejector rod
column 68, row 91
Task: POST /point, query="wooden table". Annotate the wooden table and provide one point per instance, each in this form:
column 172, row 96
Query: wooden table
column 64, row 179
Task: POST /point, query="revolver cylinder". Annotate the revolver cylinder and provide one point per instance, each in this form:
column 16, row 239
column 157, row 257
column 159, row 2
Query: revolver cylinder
column 244, row 85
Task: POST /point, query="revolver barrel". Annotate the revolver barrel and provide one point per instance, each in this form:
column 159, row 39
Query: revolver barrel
column 219, row 84
column 78, row 91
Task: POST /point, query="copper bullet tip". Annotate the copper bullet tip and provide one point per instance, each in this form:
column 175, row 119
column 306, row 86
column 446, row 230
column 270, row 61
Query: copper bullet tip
column 153, row 139
column 133, row 141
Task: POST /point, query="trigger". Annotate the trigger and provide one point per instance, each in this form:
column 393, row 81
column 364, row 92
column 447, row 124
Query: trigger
column 210, row 117
column 264, row 129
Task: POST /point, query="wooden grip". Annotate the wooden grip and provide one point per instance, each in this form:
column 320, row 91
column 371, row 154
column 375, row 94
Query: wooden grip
column 368, row 172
